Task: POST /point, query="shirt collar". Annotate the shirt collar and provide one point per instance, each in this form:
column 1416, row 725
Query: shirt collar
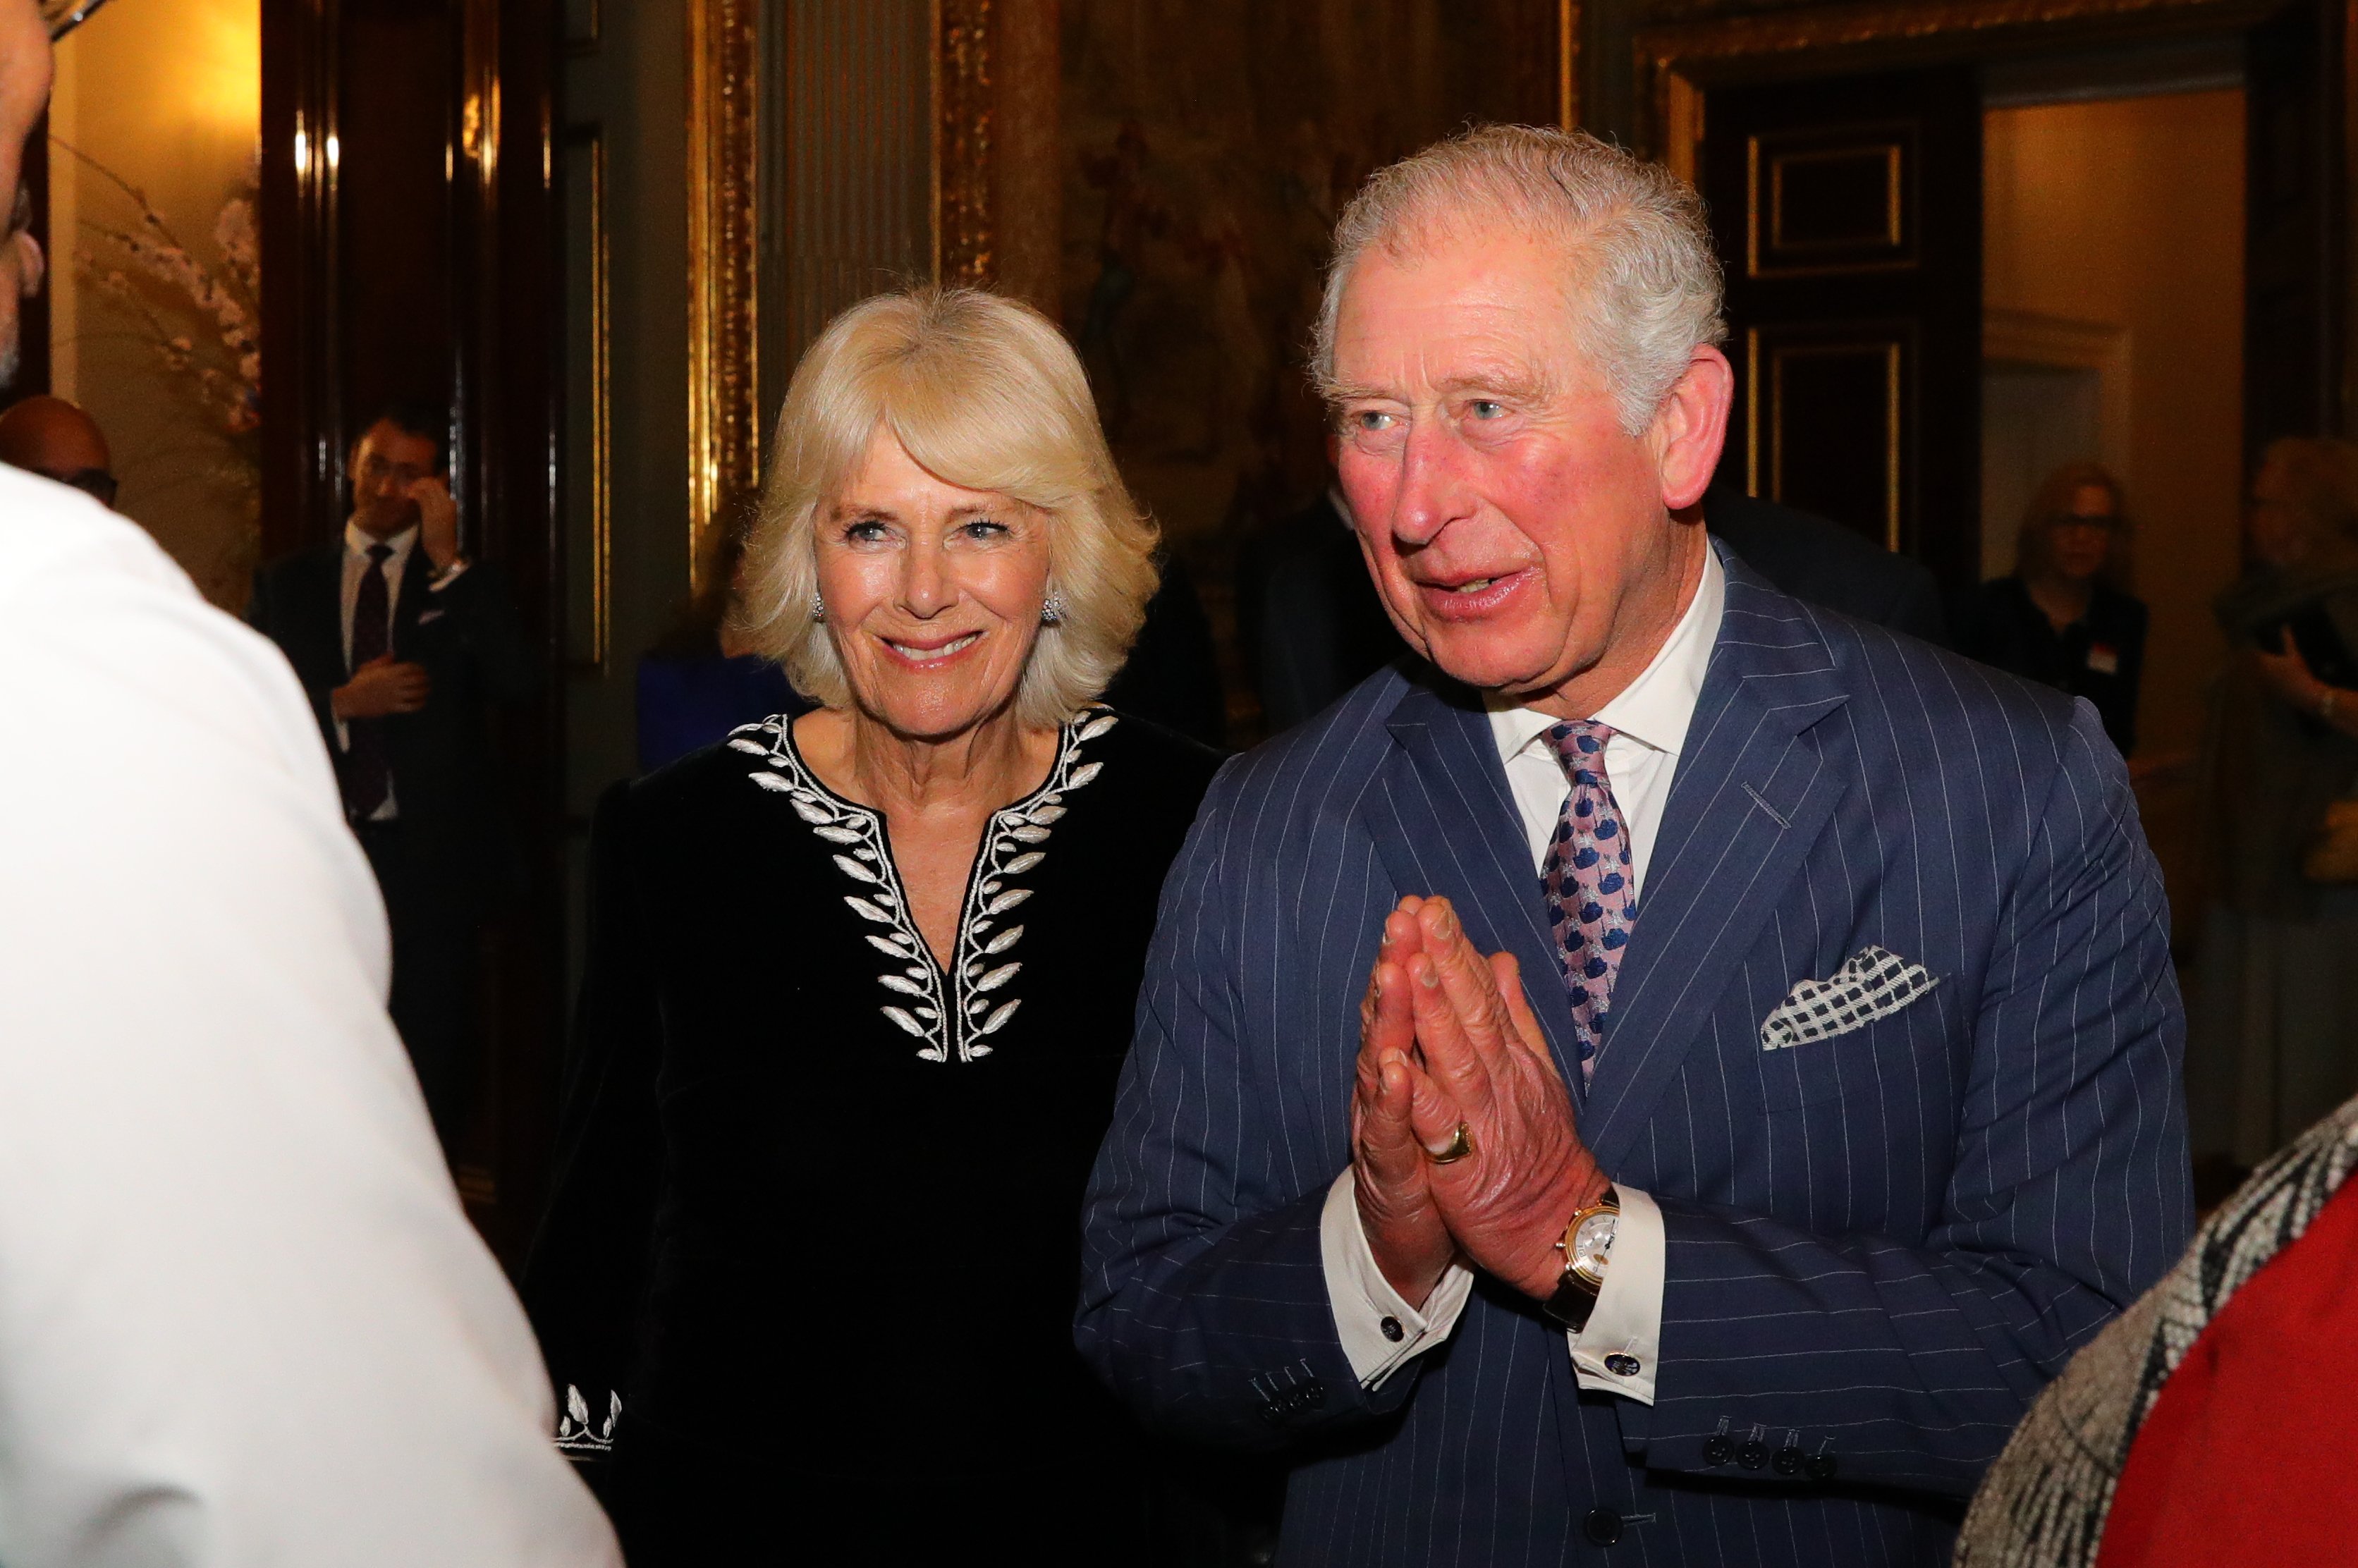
column 357, row 541
column 1654, row 710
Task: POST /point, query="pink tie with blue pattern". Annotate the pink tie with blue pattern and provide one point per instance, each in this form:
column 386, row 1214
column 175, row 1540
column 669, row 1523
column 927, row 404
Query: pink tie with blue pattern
column 1585, row 875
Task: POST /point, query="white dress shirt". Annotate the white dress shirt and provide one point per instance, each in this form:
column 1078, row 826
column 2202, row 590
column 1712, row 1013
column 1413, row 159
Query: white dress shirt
column 1380, row 1331
column 357, row 544
column 243, row 1320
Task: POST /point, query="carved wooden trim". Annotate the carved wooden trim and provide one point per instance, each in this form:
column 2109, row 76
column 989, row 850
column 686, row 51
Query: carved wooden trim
column 1676, row 58
column 963, row 126
column 723, row 430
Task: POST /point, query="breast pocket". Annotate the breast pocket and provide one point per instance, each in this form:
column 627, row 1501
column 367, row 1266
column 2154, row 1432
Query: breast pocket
column 1862, row 1064
column 1815, row 1070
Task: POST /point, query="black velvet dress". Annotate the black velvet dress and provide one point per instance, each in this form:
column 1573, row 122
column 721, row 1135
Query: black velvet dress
column 806, row 1283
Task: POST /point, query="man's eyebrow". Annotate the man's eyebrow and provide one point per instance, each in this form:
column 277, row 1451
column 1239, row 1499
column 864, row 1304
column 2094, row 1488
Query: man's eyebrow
column 1517, row 380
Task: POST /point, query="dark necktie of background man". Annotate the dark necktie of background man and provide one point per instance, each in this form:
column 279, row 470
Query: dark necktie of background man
column 368, row 778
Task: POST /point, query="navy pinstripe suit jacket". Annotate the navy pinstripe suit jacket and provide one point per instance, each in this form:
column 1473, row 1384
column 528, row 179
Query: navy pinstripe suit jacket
column 1880, row 1244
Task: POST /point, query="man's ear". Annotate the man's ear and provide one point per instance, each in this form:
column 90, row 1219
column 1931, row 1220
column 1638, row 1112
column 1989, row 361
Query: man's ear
column 1691, row 427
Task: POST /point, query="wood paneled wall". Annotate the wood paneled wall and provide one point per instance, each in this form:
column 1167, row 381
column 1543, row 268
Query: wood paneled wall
column 410, row 239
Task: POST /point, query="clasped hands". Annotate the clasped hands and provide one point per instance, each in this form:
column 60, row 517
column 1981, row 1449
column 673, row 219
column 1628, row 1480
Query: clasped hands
column 1447, row 1038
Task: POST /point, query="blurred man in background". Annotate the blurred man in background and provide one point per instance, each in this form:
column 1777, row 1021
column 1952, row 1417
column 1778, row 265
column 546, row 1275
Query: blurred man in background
column 402, row 645
column 58, row 441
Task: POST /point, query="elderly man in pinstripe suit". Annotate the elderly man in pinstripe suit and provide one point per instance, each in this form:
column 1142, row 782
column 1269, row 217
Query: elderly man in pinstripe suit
column 1819, row 1094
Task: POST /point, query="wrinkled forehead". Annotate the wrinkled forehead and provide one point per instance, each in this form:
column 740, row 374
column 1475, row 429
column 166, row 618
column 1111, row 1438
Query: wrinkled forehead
column 396, row 447
column 1431, row 309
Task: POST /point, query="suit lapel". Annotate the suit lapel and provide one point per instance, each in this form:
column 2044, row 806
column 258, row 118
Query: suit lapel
column 411, row 601
column 1444, row 822
column 317, row 609
column 1751, row 796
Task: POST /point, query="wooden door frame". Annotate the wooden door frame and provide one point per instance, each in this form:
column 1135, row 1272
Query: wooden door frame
column 505, row 243
column 1676, row 62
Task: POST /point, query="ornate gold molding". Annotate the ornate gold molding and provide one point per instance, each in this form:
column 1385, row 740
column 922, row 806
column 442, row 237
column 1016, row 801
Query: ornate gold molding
column 723, row 431
column 962, row 143
column 1675, row 60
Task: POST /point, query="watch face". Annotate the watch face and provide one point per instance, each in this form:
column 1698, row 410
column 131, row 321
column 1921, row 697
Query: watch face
column 1591, row 1244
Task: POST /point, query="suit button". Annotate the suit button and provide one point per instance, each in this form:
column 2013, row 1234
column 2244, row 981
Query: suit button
column 1602, row 1526
column 1752, row 1455
column 1821, row 1466
column 1393, row 1331
column 1789, row 1461
column 1718, row 1450
column 1314, row 1393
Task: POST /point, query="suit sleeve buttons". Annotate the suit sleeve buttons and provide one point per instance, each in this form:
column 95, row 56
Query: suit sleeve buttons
column 1821, row 1466
column 1788, row 1461
column 1753, row 1454
column 1718, row 1450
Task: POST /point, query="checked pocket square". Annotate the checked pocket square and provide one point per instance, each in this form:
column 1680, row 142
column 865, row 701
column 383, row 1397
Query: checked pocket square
column 1872, row 984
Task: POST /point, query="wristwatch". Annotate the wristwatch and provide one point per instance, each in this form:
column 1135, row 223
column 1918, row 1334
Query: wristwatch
column 1587, row 1246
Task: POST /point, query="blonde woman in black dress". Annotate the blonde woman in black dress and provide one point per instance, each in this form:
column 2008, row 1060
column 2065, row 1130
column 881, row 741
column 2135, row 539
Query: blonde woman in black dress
column 858, row 988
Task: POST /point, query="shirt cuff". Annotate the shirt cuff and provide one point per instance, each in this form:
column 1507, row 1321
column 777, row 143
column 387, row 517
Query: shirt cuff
column 1627, row 1325
column 443, row 579
column 1379, row 1331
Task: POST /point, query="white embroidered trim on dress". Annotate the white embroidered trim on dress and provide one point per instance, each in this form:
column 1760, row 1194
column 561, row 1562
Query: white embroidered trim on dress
column 956, row 1025
column 574, row 1432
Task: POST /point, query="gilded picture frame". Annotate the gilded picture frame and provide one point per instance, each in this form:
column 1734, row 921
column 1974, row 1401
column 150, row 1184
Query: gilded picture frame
column 723, row 179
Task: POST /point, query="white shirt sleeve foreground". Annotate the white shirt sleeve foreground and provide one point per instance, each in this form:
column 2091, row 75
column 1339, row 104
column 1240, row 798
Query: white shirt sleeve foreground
column 1628, row 1320
column 1379, row 1331
column 243, row 1319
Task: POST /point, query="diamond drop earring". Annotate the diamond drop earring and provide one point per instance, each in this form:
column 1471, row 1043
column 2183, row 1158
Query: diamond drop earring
column 818, row 606
column 1052, row 608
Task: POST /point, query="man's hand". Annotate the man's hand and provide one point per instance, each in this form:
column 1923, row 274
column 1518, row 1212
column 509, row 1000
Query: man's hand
column 381, row 686
column 1487, row 1065
column 1404, row 1231
column 438, row 520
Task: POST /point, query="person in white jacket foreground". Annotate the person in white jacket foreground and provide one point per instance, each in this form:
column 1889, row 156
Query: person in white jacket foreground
column 242, row 1317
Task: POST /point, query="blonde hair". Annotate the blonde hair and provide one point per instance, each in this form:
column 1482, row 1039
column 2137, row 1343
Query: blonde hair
column 1635, row 243
column 982, row 392
column 2034, row 543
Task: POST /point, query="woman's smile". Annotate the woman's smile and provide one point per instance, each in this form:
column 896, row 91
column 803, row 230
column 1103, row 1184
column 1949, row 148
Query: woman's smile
column 931, row 653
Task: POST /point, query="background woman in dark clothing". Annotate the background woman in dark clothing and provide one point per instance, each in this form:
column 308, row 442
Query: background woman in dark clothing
column 2065, row 618
column 2272, row 1043
column 859, row 987
column 700, row 680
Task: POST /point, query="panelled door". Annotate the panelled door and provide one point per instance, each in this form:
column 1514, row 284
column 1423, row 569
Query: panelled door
column 1847, row 213
column 2296, row 252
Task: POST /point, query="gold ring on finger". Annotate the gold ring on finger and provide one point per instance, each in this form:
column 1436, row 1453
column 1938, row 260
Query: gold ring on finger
column 1461, row 1143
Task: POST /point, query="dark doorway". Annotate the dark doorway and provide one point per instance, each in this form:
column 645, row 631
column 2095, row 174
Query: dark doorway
column 1848, row 217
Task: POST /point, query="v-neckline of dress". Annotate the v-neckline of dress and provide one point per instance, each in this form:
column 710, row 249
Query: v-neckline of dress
column 950, row 1009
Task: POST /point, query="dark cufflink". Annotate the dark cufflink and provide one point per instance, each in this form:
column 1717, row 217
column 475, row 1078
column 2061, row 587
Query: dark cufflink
column 1622, row 1365
column 1393, row 1331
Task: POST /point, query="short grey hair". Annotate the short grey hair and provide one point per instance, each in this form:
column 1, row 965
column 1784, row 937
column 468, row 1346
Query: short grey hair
column 1640, row 269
